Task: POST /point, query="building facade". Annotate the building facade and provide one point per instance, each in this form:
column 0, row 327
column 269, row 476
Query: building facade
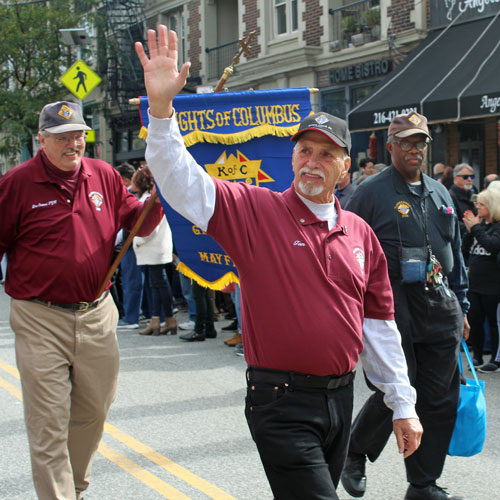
column 346, row 50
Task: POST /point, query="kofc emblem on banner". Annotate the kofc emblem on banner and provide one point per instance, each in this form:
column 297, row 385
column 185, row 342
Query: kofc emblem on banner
column 238, row 168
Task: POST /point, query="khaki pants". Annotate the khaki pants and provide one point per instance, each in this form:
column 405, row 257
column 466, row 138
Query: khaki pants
column 69, row 364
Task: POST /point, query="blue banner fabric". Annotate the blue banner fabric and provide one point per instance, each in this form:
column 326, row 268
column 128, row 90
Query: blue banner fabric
column 238, row 137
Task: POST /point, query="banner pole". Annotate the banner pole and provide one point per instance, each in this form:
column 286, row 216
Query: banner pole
column 152, row 199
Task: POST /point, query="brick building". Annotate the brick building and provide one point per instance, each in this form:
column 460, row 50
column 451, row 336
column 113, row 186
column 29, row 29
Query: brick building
column 346, row 49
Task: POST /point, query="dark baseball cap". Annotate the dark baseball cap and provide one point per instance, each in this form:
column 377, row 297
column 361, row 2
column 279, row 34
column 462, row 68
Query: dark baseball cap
column 331, row 126
column 409, row 124
column 62, row 116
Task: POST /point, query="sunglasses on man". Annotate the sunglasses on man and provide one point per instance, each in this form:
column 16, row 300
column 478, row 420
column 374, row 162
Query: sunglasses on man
column 467, row 176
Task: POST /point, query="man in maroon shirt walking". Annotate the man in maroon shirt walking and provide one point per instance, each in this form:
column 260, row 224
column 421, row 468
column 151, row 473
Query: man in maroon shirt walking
column 60, row 215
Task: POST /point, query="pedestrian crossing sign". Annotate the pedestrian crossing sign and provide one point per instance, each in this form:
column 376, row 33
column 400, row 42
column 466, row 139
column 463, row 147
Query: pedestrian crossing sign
column 80, row 80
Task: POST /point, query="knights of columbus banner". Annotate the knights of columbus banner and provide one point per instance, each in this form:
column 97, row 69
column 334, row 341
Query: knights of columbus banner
column 238, row 137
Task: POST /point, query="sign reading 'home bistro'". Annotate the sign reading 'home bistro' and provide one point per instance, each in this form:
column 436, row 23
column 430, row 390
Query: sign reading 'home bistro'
column 359, row 71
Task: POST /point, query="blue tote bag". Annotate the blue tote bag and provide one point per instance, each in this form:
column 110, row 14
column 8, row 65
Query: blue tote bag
column 469, row 433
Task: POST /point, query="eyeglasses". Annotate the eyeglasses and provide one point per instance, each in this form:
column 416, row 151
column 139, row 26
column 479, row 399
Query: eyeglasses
column 61, row 139
column 467, row 176
column 407, row 145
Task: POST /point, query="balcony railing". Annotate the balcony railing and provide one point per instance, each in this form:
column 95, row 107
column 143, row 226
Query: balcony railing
column 218, row 58
column 355, row 24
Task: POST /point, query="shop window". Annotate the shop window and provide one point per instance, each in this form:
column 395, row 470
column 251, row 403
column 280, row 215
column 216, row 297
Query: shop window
column 471, row 148
column 360, row 93
column 285, row 16
column 334, row 102
column 176, row 23
column 122, row 142
column 137, row 142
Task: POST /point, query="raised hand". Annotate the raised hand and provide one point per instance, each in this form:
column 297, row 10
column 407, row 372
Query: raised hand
column 162, row 79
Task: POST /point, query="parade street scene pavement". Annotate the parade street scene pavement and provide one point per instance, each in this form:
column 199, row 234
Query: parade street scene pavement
column 177, row 429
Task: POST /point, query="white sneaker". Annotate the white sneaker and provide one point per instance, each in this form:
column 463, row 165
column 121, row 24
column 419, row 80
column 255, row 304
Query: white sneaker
column 188, row 325
column 124, row 325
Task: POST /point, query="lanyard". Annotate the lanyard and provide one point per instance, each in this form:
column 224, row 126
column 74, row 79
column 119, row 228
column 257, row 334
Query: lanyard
column 434, row 273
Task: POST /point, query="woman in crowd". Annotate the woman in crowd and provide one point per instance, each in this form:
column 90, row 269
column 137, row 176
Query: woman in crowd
column 481, row 244
column 154, row 251
column 447, row 178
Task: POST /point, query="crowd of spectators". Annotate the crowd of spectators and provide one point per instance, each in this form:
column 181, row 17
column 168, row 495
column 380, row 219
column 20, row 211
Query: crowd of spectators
column 149, row 291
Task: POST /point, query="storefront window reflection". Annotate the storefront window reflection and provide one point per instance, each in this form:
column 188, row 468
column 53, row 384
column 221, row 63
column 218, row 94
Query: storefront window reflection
column 334, row 103
column 359, row 94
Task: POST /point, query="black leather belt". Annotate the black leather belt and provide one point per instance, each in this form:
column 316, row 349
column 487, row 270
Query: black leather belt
column 298, row 380
column 76, row 306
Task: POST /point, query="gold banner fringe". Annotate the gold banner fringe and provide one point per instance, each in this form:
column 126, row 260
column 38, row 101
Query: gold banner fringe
column 219, row 284
column 143, row 133
column 236, row 138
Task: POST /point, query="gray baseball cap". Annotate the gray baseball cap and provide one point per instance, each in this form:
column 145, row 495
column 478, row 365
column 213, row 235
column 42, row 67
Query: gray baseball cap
column 61, row 116
column 332, row 127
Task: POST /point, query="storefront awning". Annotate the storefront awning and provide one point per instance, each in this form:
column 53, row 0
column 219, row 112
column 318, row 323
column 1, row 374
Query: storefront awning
column 453, row 74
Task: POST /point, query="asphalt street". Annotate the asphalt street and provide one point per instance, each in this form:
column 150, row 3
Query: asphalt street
column 177, row 430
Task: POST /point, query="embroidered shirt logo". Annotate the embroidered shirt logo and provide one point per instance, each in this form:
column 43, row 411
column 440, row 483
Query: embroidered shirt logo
column 65, row 112
column 360, row 257
column 403, row 207
column 97, row 199
column 298, row 243
column 46, row 204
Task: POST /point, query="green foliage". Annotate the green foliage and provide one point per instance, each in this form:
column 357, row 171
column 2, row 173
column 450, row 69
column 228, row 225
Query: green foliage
column 32, row 59
column 372, row 17
column 350, row 24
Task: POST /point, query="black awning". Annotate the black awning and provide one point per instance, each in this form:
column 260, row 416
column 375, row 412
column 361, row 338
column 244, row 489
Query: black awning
column 449, row 67
column 482, row 96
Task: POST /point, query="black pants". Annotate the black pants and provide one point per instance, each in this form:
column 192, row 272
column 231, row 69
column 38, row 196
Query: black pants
column 483, row 307
column 204, row 310
column 161, row 293
column 433, row 371
column 301, row 436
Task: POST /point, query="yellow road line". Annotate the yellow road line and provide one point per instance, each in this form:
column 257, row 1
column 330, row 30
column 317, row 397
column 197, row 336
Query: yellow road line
column 12, row 370
column 142, row 474
column 11, row 388
column 167, row 464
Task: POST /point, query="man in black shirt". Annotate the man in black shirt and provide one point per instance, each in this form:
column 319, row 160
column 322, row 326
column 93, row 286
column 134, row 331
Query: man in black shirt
column 414, row 220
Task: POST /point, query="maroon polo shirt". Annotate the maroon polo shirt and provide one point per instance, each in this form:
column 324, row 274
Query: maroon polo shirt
column 305, row 289
column 59, row 245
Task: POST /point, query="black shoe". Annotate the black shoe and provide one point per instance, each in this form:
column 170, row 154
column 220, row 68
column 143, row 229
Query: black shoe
column 431, row 492
column 230, row 315
column 491, row 367
column 353, row 476
column 211, row 335
column 231, row 327
column 193, row 336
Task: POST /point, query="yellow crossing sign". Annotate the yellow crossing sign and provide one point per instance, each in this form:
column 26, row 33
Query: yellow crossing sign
column 80, row 80
column 89, row 136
